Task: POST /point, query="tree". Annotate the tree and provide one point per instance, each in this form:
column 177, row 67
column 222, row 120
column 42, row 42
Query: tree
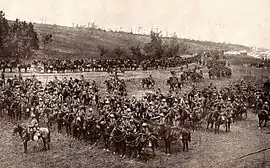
column 34, row 36
column 4, row 28
column 119, row 52
column 172, row 47
column 94, row 26
column 136, row 52
column 155, row 48
column 102, row 50
column 46, row 39
column 17, row 39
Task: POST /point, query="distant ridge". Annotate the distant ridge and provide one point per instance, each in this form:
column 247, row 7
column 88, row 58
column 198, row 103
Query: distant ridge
column 71, row 42
column 260, row 53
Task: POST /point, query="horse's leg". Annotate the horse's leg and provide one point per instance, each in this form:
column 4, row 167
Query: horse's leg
column 184, row 144
column 59, row 125
column 79, row 133
column 124, row 149
column 44, row 143
column 166, row 146
column 25, row 146
column 194, row 125
column 153, row 148
column 49, row 140
column 67, row 130
column 187, row 145
column 169, row 145
column 212, row 124
column 20, row 114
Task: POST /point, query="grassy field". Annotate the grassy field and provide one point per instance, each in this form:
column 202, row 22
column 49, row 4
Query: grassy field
column 69, row 42
column 207, row 149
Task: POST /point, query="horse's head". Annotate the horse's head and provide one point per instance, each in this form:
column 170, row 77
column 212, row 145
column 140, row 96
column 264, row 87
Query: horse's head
column 17, row 129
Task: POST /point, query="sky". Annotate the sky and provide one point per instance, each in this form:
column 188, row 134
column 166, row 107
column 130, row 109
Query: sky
column 244, row 22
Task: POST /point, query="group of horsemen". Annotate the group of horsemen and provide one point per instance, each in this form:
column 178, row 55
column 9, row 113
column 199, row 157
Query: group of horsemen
column 69, row 103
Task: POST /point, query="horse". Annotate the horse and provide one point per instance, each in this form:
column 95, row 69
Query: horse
column 149, row 141
column 167, row 135
column 44, row 134
column 242, row 111
column 186, row 138
column 91, row 131
column 133, row 144
column 170, row 134
column 77, row 126
column 174, row 83
column 222, row 119
column 195, row 120
column 263, row 117
column 118, row 138
column 148, row 82
column 210, row 120
column 184, row 115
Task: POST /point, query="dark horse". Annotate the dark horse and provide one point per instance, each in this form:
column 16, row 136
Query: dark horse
column 263, row 117
column 118, row 138
column 24, row 133
column 150, row 83
column 171, row 134
column 186, row 137
column 222, row 119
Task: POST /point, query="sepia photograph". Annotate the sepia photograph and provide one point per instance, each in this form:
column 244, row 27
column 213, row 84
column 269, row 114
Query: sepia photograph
column 134, row 84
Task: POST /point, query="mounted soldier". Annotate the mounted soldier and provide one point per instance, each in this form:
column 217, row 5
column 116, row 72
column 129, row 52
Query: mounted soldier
column 33, row 127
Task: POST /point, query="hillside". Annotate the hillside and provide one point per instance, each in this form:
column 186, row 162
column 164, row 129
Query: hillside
column 69, row 42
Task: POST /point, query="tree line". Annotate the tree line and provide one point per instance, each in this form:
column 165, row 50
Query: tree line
column 157, row 48
column 18, row 39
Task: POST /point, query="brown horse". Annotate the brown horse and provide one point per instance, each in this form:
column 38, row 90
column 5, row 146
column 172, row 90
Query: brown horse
column 186, row 138
column 222, row 119
column 263, row 117
column 170, row 134
column 44, row 134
